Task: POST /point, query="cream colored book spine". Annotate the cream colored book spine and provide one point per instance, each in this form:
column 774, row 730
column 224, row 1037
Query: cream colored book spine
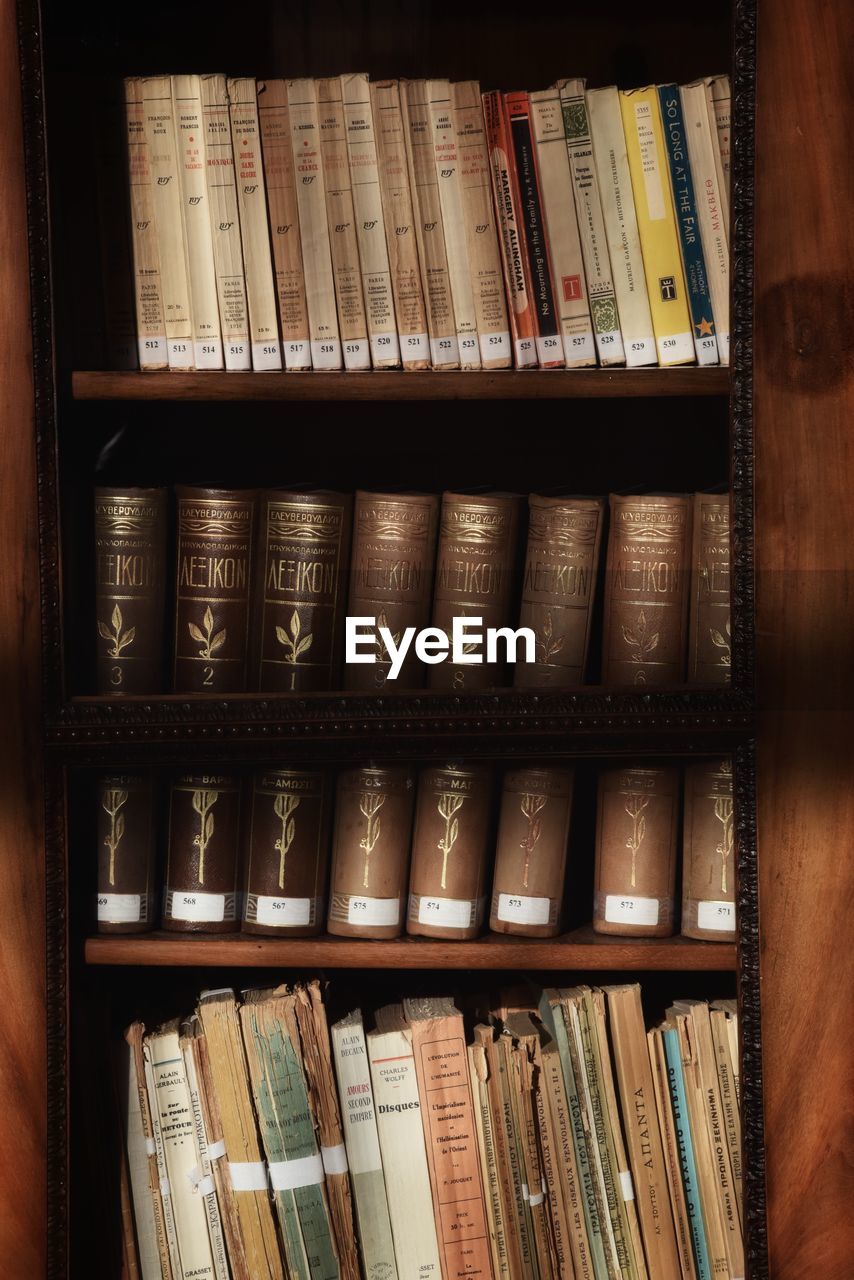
column 732, row 1119
column 324, row 334
column 148, row 285
column 202, row 1177
column 225, row 224
column 716, row 152
column 341, row 215
column 275, row 125
column 483, row 1123
column 190, row 140
column 429, row 229
column 718, row 90
column 556, row 185
column 147, row 1209
column 254, row 227
column 168, row 217
column 370, row 221
column 165, row 1190
column 621, row 225
column 711, row 201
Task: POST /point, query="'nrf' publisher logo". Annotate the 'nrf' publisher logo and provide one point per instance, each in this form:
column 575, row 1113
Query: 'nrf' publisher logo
column 667, row 285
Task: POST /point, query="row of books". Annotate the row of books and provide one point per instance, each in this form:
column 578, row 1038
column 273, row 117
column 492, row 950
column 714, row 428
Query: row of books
column 337, row 222
column 558, row 1139
column 416, row 853
column 262, row 598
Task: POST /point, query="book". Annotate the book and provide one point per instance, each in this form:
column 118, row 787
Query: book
column 684, row 1188
column 591, row 224
column 152, row 1233
column 708, row 843
column 709, row 629
column 274, row 123
column 214, row 558
column 126, row 853
column 159, row 1148
column 370, row 857
column 225, row 223
column 519, row 1044
column 718, row 88
column 130, row 571
column 559, row 588
column 200, row 889
column 254, row 227
column 370, row 221
column 647, row 584
column 636, row 834
column 288, row 853
column 729, row 1104
column 201, row 1176
column 711, row 200
column 665, row 280
column 530, row 852
column 303, row 553
column 152, row 348
column 486, row 1123
column 115, row 230
column 621, row 224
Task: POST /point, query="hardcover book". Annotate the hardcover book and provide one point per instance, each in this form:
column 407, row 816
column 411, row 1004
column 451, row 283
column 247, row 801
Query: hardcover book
column 126, row 853
column 200, row 893
column 530, row 855
column 288, row 853
column 636, row 833
column 709, row 628
column 130, row 563
column 708, row 852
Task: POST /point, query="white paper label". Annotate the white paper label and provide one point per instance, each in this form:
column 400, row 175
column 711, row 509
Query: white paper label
column 357, row 354
column 120, row 908
column 152, row 351
column 266, row 355
column 384, row 348
column 610, row 348
column 519, row 910
column 378, row 911
column 707, row 350
column 495, row 346
column 290, row 1175
column 626, row 1185
column 326, row 354
column 283, row 911
column 719, row 916
column 723, row 344
column 550, row 349
column 649, row 161
column 297, row 354
column 444, row 351
column 622, row 909
column 447, row 913
column 469, row 350
column 334, row 1158
column 208, row 354
column 415, row 346
column 250, row 1175
column 180, row 353
column 217, row 1149
column 526, row 353
column 641, row 351
column 237, row 356
column 675, row 348
column 579, row 348
column 207, row 907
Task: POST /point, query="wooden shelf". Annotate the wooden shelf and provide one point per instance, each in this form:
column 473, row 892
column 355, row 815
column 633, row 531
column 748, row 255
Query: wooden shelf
column 581, row 949
column 508, row 384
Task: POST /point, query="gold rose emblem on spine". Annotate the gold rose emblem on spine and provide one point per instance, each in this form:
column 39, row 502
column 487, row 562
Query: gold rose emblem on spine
column 532, row 806
column 548, row 644
column 635, row 805
column 203, row 803
column 210, row 640
column 111, row 802
column 120, row 639
column 641, row 641
column 370, row 804
column 284, row 807
column 724, row 815
column 449, row 804
column 723, row 642
column 294, row 643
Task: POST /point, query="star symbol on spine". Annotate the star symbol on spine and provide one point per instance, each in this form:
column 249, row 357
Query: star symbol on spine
column 704, row 328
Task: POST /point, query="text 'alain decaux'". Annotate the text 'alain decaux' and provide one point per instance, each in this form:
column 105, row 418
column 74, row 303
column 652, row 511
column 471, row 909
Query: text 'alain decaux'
column 469, row 643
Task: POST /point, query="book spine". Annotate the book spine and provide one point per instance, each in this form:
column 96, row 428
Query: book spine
column 115, row 230
column 708, row 842
column 530, row 857
column 162, row 1174
column 647, row 584
column 512, row 1205
column 535, row 1187
column 130, row 569
column 275, row 125
column 665, row 281
column 214, row 556
column 557, row 1222
column 690, row 240
column 225, row 223
column 519, row 1192
column 152, row 347
column 370, row 222
column 636, row 834
column 566, row 1165
column 126, row 854
column 722, row 114
column 729, row 1105
column 711, row 201
column 678, row 1205
column 142, row 1162
column 200, row 894
column 288, row 854
column 621, row 225
column 722, row 181
column 201, row 1178
column 484, row 1129
column 591, row 225
column 370, row 861
column 192, row 184
column 559, row 588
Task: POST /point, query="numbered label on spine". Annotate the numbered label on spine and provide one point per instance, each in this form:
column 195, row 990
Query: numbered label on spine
column 445, row 913
column 126, row 908
column 622, row 909
column 716, row 916
column 200, row 908
column 518, row 909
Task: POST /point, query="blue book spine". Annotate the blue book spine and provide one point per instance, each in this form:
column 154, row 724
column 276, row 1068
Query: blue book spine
column 682, row 1129
column 685, row 204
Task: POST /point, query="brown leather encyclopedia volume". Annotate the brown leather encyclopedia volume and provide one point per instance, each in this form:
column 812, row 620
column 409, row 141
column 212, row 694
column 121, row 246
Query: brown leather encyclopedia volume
column 126, row 850
column 709, row 652
column 530, row 857
column 391, row 577
column 708, row 852
column 200, row 895
column 636, row 833
column 370, row 860
column 130, row 562
column 298, row 617
column 215, row 530
column 449, row 851
column 559, row 587
column 646, row 590
column 474, row 578
column 288, row 853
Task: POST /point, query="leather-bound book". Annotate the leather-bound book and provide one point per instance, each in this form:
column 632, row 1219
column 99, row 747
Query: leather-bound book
column 200, row 894
column 646, row 590
column 709, row 634
column 370, row 860
column 288, row 853
column 391, row 578
column 449, row 852
column 530, row 856
column 215, row 529
column 636, row 832
column 126, row 853
column 708, row 852
column 299, row 590
column 559, row 588
column 130, row 564
column 474, row 578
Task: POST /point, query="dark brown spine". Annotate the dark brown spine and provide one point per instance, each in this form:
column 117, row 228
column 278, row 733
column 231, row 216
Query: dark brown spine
column 636, row 833
column 126, row 854
column 288, row 853
column 559, row 588
column 530, row 856
column 215, row 531
column 130, row 568
column 370, row 859
column 201, row 891
column 474, row 578
column 708, row 859
column 709, row 652
column 304, row 543
column 391, row 578
column 449, row 852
